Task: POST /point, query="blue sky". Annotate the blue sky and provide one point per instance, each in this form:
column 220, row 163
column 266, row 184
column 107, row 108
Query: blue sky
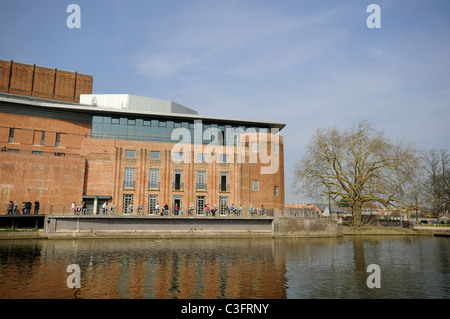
column 309, row 64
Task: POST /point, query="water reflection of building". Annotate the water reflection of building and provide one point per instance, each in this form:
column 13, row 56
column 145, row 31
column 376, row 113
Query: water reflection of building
column 168, row 269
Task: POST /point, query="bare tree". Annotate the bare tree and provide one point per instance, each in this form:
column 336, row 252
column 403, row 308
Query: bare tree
column 437, row 184
column 356, row 166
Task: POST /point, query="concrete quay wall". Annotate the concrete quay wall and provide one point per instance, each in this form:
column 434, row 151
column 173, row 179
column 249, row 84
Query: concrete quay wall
column 307, row 227
column 173, row 227
column 137, row 226
column 180, row 226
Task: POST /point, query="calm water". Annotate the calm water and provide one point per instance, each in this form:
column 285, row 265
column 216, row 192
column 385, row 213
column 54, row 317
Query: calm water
column 411, row 267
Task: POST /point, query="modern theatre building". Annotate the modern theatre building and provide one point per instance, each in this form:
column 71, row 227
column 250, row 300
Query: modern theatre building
column 61, row 144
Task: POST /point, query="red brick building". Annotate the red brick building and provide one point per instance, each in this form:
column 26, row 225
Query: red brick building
column 61, row 144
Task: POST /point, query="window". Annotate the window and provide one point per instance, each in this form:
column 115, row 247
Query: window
column 42, row 138
column 177, row 200
column 13, row 150
column 128, row 203
column 201, row 158
column 177, row 180
column 275, row 149
column 224, row 186
column 60, row 154
column 275, row 191
column 152, row 201
column 255, row 186
column 236, row 140
column 11, row 135
column 154, row 179
column 130, row 154
column 37, row 152
column 223, row 158
column 58, row 136
column 223, row 202
column 154, row 155
column 115, row 120
column 201, row 202
column 201, row 180
column 178, row 156
column 128, row 179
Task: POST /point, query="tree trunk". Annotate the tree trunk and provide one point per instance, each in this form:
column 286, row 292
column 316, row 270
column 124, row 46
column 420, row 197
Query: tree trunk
column 357, row 215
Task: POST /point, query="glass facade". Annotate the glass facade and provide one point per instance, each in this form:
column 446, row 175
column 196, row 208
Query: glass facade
column 155, row 130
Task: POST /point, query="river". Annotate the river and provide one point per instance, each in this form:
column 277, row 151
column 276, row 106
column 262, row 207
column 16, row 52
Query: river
column 290, row 268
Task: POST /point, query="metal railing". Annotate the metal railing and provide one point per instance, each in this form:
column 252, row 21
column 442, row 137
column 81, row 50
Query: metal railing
column 300, row 212
column 66, row 210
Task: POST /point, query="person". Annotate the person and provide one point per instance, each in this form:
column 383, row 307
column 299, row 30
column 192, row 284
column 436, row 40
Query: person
column 10, row 207
column 104, row 208
column 166, row 209
column 262, row 210
column 156, row 209
column 24, row 208
column 15, row 209
column 250, row 210
column 176, row 209
column 28, row 205
column 207, row 209
column 74, row 208
column 232, row 208
column 214, row 210
column 191, row 210
column 140, row 209
column 36, row 207
column 84, row 208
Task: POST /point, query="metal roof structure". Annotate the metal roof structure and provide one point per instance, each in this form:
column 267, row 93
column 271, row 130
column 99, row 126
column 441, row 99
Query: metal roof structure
column 185, row 114
column 134, row 103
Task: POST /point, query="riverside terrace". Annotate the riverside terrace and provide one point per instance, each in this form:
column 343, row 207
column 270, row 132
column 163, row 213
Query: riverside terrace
column 271, row 224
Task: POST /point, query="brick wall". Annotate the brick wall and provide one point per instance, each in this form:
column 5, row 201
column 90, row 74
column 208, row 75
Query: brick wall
column 51, row 180
column 99, row 166
column 28, row 133
column 106, row 163
column 38, row 81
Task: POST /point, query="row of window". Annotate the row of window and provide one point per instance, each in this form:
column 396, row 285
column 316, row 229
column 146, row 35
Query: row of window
column 161, row 131
column 154, row 206
column 177, row 183
column 42, row 139
column 14, row 150
column 170, row 124
column 178, row 156
column 154, row 155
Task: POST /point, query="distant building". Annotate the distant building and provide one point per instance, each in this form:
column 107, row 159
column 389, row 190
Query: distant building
column 62, row 144
column 324, row 209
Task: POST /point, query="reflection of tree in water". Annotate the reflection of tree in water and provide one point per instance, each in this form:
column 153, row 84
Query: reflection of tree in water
column 358, row 254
